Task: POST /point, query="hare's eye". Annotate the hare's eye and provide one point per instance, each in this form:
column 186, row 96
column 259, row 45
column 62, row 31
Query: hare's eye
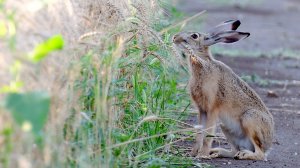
column 194, row 36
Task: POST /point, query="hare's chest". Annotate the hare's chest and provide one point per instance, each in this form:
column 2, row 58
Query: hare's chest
column 203, row 93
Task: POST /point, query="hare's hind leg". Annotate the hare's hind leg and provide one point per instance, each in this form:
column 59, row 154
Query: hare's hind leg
column 254, row 131
column 258, row 154
column 221, row 152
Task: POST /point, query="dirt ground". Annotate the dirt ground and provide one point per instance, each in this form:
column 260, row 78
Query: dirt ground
column 273, row 24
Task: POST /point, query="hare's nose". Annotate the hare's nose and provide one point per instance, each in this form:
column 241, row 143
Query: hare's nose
column 177, row 39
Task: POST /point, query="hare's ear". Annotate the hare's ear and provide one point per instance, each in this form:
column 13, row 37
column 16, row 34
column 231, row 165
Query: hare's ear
column 225, row 26
column 225, row 37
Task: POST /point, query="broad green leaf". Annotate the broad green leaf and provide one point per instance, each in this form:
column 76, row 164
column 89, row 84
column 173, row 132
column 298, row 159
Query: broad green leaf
column 42, row 50
column 30, row 110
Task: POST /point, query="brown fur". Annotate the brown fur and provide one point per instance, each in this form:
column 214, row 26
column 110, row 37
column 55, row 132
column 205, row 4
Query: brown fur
column 219, row 93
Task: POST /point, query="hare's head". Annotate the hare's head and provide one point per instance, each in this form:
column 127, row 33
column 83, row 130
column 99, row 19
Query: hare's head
column 225, row 33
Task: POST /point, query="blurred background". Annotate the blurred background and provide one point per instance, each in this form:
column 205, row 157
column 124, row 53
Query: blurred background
column 273, row 24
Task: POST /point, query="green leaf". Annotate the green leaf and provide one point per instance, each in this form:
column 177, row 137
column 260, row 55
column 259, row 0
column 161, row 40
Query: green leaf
column 42, row 50
column 155, row 63
column 30, row 110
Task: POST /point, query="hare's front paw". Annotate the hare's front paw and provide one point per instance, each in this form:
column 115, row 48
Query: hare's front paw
column 203, row 154
column 200, row 153
column 196, row 148
column 194, row 152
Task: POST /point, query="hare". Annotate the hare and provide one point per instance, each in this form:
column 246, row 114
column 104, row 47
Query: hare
column 218, row 93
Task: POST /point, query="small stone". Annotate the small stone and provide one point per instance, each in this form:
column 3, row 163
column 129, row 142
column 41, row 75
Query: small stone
column 295, row 153
column 272, row 94
column 229, row 163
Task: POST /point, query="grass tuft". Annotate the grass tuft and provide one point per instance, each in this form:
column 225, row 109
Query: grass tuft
column 118, row 98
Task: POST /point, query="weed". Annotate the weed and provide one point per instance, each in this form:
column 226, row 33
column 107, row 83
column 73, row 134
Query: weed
column 118, row 101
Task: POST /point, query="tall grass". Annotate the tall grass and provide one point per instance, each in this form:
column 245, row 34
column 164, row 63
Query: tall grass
column 118, row 96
